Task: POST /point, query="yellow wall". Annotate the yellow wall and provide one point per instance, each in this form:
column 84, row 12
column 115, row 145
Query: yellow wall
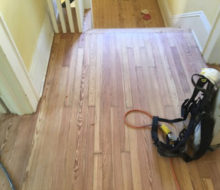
column 24, row 19
column 210, row 7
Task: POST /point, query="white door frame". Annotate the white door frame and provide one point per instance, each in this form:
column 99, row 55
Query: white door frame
column 3, row 108
column 211, row 51
column 16, row 89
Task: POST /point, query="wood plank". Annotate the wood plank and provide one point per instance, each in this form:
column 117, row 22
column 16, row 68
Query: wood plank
column 118, row 182
column 97, row 147
column 208, row 184
column 126, row 78
column 98, row 176
column 127, row 173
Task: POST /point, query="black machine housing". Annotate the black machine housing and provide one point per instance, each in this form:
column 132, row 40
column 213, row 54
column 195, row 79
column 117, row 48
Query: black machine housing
column 198, row 111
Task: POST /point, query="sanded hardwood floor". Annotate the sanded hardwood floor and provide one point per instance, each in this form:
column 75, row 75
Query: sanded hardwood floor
column 125, row 14
column 77, row 139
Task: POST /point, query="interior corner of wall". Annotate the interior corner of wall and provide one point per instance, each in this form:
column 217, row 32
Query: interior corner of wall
column 20, row 87
column 166, row 12
column 40, row 60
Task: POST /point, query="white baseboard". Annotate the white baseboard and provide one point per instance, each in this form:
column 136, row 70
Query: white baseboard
column 196, row 21
column 41, row 57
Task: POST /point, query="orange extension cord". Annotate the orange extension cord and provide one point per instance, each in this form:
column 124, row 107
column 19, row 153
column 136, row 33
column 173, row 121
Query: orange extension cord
column 148, row 127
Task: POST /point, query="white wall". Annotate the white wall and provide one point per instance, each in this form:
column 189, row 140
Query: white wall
column 24, row 19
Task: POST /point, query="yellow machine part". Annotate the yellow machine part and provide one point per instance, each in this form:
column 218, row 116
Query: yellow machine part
column 165, row 129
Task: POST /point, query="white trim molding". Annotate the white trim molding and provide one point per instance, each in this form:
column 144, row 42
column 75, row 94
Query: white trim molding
column 38, row 69
column 87, row 4
column 196, row 21
column 211, row 51
column 3, row 108
column 53, row 14
column 16, row 88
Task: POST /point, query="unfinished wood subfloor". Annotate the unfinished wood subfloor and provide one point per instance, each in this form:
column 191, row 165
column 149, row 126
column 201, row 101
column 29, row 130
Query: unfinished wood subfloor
column 125, row 14
column 77, row 139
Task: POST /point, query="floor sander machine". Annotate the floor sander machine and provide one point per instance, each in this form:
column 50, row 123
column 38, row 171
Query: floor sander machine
column 200, row 116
